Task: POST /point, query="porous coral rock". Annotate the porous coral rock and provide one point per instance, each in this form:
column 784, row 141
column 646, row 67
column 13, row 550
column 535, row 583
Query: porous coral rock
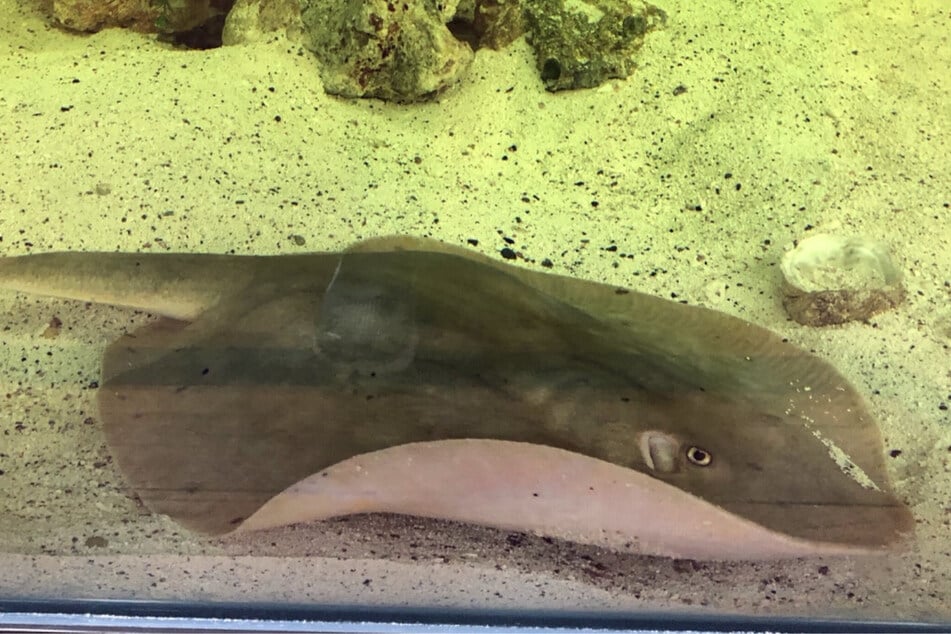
column 399, row 51
column 583, row 43
column 498, row 23
column 256, row 20
column 138, row 15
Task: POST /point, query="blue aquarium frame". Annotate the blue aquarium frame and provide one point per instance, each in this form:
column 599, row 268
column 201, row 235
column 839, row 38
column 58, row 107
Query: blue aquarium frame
column 171, row 617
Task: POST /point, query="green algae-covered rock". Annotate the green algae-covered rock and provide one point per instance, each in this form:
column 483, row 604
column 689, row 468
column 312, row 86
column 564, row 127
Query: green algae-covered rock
column 399, row 51
column 583, row 43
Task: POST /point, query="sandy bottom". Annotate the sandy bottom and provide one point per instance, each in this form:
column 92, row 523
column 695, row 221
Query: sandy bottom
column 797, row 118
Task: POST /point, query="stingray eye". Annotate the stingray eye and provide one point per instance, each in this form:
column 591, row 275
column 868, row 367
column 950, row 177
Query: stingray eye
column 699, row 457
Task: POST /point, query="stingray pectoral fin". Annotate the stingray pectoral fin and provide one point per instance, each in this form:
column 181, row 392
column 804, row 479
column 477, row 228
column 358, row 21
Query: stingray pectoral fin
column 528, row 487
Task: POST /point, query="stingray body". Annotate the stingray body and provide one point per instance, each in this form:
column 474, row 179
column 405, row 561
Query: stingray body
column 411, row 377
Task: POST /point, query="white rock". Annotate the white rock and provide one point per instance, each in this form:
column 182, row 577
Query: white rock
column 831, row 279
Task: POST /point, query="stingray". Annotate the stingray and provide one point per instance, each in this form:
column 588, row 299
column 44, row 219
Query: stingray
column 408, row 376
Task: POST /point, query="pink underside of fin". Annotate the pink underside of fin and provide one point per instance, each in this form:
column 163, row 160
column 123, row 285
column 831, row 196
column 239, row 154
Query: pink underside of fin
column 537, row 489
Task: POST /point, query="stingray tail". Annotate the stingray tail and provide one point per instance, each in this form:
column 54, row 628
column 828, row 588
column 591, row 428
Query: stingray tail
column 174, row 285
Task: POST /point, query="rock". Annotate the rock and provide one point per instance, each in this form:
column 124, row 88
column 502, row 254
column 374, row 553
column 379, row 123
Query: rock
column 583, row 43
column 465, row 10
column 833, row 279
column 138, row 15
column 257, row 20
column 498, row 23
column 399, row 51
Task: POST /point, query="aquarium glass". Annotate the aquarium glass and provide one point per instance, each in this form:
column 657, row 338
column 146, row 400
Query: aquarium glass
column 591, row 306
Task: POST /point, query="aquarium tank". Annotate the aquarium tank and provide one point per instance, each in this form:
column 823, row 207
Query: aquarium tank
column 483, row 315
